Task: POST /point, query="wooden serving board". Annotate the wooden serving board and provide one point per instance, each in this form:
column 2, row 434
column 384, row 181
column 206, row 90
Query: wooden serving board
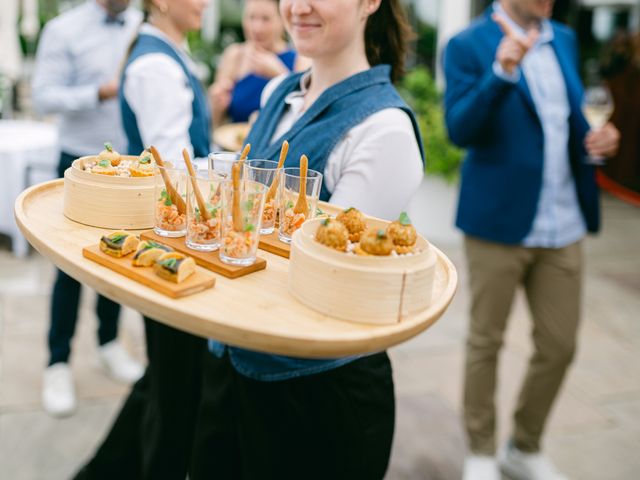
column 209, row 260
column 195, row 283
column 272, row 244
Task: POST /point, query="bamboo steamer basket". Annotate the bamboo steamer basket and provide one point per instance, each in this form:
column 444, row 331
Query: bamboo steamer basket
column 375, row 290
column 108, row 201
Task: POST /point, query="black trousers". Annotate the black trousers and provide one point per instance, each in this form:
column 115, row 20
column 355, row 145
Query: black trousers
column 64, row 306
column 153, row 434
column 333, row 425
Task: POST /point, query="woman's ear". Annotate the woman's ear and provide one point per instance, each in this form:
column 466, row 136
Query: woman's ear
column 372, row 6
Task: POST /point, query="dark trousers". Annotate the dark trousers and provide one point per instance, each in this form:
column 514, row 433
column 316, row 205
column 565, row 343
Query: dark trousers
column 64, row 306
column 153, row 434
column 333, row 425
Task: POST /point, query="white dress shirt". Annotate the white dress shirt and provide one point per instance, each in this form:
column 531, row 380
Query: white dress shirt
column 376, row 167
column 158, row 91
column 558, row 221
column 78, row 52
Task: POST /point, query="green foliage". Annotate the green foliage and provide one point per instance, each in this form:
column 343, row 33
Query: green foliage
column 419, row 90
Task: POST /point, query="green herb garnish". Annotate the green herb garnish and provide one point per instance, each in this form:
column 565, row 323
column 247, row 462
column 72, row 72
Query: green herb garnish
column 168, row 263
column 325, row 222
column 108, row 147
column 319, row 211
column 404, row 219
column 104, row 163
column 381, row 234
column 289, row 204
column 164, row 197
column 249, row 227
column 118, row 238
column 150, row 244
column 145, row 159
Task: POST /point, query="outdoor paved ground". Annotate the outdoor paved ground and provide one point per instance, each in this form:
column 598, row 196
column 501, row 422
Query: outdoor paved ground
column 594, row 433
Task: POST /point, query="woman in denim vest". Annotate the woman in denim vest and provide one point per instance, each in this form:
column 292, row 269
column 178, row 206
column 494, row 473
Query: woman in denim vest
column 267, row 416
column 162, row 104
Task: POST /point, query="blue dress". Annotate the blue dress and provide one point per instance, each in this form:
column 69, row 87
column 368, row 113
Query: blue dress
column 245, row 98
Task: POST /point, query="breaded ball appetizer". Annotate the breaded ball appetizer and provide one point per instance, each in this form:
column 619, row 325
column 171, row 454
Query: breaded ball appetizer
column 333, row 234
column 110, row 155
column 403, row 234
column 375, row 241
column 353, row 219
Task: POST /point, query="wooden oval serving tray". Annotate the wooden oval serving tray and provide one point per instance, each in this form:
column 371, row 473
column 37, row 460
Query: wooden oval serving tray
column 254, row 312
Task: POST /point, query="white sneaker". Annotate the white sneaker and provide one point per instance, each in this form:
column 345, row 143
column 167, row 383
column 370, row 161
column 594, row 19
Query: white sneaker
column 481, row 467
column 519, row 465
column 58, row 395
column 119, row 364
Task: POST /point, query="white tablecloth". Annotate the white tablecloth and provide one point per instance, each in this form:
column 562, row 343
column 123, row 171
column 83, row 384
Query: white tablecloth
column 28, row 150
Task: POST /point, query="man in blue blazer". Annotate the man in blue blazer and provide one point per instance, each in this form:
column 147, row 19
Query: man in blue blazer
column 528, row 196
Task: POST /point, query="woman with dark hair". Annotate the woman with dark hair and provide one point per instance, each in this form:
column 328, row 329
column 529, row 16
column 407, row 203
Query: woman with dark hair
column 266, row 416
column 162, row 104
column 246, row 68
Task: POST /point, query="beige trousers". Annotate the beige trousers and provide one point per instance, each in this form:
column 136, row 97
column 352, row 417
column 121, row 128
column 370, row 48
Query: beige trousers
column 552, row 282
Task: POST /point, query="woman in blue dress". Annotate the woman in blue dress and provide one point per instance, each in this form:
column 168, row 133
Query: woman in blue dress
column 245, row 68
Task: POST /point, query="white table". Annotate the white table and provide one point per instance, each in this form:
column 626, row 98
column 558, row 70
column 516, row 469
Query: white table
column 24, row 145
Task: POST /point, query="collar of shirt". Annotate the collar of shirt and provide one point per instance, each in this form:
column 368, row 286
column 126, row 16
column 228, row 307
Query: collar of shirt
column 295, row 100
column 546, row 32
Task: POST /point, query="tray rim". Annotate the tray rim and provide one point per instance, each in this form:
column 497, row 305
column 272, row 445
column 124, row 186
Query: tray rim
column 356, row 339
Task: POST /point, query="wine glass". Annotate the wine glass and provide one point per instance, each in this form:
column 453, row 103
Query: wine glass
column 597, row 107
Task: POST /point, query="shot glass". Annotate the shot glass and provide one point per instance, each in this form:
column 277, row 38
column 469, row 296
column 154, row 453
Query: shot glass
column 265, row 172
column 170, row 206
column 203, row 227
column 220, row 163
column 290, row 182
column 239, row 243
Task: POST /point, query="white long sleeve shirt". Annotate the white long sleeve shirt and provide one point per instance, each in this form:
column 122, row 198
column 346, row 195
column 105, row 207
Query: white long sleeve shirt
column 158, row 91
column 78, row 52
column 376, row 167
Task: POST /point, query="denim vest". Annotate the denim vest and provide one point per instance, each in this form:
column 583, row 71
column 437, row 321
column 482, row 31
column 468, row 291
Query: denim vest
column 339, row 108
column 199, row 130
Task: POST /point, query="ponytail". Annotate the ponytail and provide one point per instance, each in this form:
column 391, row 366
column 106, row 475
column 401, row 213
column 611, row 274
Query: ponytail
column 387, row 34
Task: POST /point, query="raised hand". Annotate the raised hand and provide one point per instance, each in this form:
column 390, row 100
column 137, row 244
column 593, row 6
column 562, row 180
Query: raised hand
column 513, row 46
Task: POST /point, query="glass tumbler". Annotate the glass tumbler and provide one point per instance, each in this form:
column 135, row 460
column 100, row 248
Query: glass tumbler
column 203, row 229
column 239, row 243
column 290, row 182
column 267, row 173
column 170, row 210
column 221, row 163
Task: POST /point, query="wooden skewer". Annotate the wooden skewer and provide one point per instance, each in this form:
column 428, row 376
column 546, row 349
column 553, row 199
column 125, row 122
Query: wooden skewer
column 235, row 212
column 301, row 205
column 244, row 155
column 175, row 197
column 202, row 205
column 274, row 185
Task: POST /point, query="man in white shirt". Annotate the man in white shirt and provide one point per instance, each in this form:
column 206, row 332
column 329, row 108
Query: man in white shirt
column 76, row 76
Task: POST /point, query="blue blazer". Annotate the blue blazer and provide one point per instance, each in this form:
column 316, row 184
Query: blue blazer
column 498, row 124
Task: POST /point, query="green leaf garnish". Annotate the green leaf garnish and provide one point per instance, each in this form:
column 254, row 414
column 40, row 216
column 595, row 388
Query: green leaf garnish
column 164, row 197
column 104, row 163
column 145, row 159
column 169, row 262
column 151, row 244
column 249, row 227
column 319, row 211
column 325, row 222
column 381, row 234
column 404, row 219
column 248, row 205
column 117, row 238
column 108, row 147
column 289, row 204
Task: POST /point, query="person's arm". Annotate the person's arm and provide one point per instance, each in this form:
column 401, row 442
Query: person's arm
column 377, row 167
column 53, row 90
column 472, row 94
column 158, row 92
column 221, row 89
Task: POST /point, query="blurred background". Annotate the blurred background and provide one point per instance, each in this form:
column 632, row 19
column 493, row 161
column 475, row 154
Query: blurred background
column 594, row 432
